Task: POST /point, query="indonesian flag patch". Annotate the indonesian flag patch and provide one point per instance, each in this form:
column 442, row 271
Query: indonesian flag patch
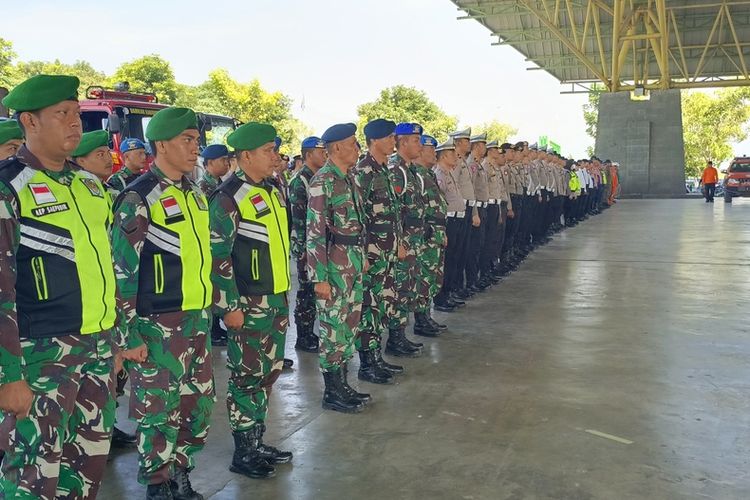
column 42, row 194
column 259, row 203
column 171, row 207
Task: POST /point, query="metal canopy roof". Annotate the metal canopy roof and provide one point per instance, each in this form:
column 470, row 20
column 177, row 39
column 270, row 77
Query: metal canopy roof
column 656, row 44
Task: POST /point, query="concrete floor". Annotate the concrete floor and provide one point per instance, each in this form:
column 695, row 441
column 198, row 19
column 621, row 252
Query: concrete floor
column 634, row 324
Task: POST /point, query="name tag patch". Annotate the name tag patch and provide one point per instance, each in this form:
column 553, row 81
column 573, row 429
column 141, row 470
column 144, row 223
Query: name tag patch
column 50, row 209
column 42, row 194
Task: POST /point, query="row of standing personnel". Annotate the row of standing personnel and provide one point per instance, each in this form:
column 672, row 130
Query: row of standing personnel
column 89, row 280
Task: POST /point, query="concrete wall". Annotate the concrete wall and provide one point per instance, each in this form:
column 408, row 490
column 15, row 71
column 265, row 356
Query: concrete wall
column 645, row 137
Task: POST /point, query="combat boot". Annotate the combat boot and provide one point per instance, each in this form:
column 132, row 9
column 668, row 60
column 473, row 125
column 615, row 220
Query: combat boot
column 434, row 323
column 369, row 371
column 247, row 460
column 181, row 487
column 161, row 491
column 362, row 397
column 335, row 397
column 121, row 439
column 398, row 346
column 385, row 364
column 307, row 341
column 423, row 327
column 272, row 455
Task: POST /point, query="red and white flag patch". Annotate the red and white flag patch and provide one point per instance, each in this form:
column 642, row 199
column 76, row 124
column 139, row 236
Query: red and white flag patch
column 259, row 203
column 170, row 206
column 42, row 194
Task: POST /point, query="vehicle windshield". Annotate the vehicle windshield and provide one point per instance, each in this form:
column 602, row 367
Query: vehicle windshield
column 221, row 127
column 740, row 167
column 134, row 120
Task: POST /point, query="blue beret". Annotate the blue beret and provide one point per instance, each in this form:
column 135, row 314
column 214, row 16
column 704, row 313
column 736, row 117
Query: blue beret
column 313, row 142
column 379, row 128
column 277, row 141
column 339, row 132
column 214, row 151
column 428, row 140
column 131, row 145
column 409, row 129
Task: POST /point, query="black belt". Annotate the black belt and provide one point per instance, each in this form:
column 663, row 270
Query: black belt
column 437, row 221
column 382, row 227
column 413, row 222
column 346, row 239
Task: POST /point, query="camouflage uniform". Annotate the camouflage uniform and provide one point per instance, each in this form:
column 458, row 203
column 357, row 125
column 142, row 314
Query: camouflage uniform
column 382, row 221
column 255, row 353
column 61, row 449
column 431, row 254
column 121, row 179
column 208, row 183
column 408, row 189
column 336, row 255
column 173, row 391
column 304, row 310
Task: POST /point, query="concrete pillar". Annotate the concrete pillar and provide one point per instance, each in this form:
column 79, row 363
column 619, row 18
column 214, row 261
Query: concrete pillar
column 645, row 137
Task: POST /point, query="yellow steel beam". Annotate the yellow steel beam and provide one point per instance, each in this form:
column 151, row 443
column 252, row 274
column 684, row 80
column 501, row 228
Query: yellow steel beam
column 599, row 41
column 614, row 82
column 740, row 55
column 699, row 67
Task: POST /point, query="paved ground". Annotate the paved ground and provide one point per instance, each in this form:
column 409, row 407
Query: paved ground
column 614, row 364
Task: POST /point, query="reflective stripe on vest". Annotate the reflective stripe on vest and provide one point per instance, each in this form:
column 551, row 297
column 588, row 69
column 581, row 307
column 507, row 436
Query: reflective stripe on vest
column 260, row 254
column 175, row 266
column 62, row 226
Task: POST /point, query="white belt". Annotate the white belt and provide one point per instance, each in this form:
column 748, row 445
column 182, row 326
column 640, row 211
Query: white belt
column 481, row 204
column 458, row 215
column 493, row 201
column 472, row 203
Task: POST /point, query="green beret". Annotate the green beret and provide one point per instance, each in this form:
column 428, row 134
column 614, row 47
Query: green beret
column 90, row 141
column 41, row 91
column 251, row 136
column 169, row 123
column 9, row 130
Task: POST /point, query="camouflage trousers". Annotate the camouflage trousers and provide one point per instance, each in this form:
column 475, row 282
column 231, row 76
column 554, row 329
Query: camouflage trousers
column 379, row 297
column 60, row 451
column 255, row 357
column 406, row 272
column 304, row 309
column 430, row 277
column 339, row 319
column 172, row 392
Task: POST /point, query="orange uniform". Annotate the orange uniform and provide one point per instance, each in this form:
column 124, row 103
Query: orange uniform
column 710, row 175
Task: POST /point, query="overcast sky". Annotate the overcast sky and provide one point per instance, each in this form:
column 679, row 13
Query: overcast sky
column 333, row 55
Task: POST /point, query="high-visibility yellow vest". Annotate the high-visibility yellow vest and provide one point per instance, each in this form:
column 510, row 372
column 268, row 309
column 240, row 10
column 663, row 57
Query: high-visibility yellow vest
column 260, row 256
column 574, row 183
column 175, row 267
column 65, row 282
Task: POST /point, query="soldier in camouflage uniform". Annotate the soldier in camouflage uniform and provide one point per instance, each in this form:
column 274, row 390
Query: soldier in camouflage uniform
column 314, row 154
column 431, row 255
column 382, row 222
column 162, row 256
column 215, row 167
column 250, row 247
column 409, row 191
column 133, row 153
column 336, row 262
column 57, row 342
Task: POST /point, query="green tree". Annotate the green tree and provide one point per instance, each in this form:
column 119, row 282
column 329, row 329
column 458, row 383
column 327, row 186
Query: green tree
column 148, row 74
column 407, row 104
column 6, row 62
column 82, row 69
column 591, row 113
column 711, row 122
column 496, row 131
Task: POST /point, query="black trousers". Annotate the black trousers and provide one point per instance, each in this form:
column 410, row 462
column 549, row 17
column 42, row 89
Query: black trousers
column 491, row 239
column 709, row 191
column 476, row 241
column 462, row 251
column 454, row 229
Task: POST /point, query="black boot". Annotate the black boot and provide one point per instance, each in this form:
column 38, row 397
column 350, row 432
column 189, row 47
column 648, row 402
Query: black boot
column 335, row 397
column 181, row 487
column 397, row 345
column 362, row 397
column 161, row 491
column 369, row 371
column 272, row 455
column 434, row 323
column 386, row 365
column 121, row 439
column 423, row 327
column 457, row 300
column 247, row 459
column 288, row 364
column 307, row 341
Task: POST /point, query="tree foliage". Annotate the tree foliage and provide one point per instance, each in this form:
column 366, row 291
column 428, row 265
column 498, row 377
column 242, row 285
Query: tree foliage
column 591, row 112
column 82, row 69
column 496, row 131
column 6, row 62
column 711, row 122
column 407, row 104
column 148, row 74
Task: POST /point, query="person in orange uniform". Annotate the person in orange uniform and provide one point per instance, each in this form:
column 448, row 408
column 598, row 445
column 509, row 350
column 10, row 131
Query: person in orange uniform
column 613, row 175
column 709, row 179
